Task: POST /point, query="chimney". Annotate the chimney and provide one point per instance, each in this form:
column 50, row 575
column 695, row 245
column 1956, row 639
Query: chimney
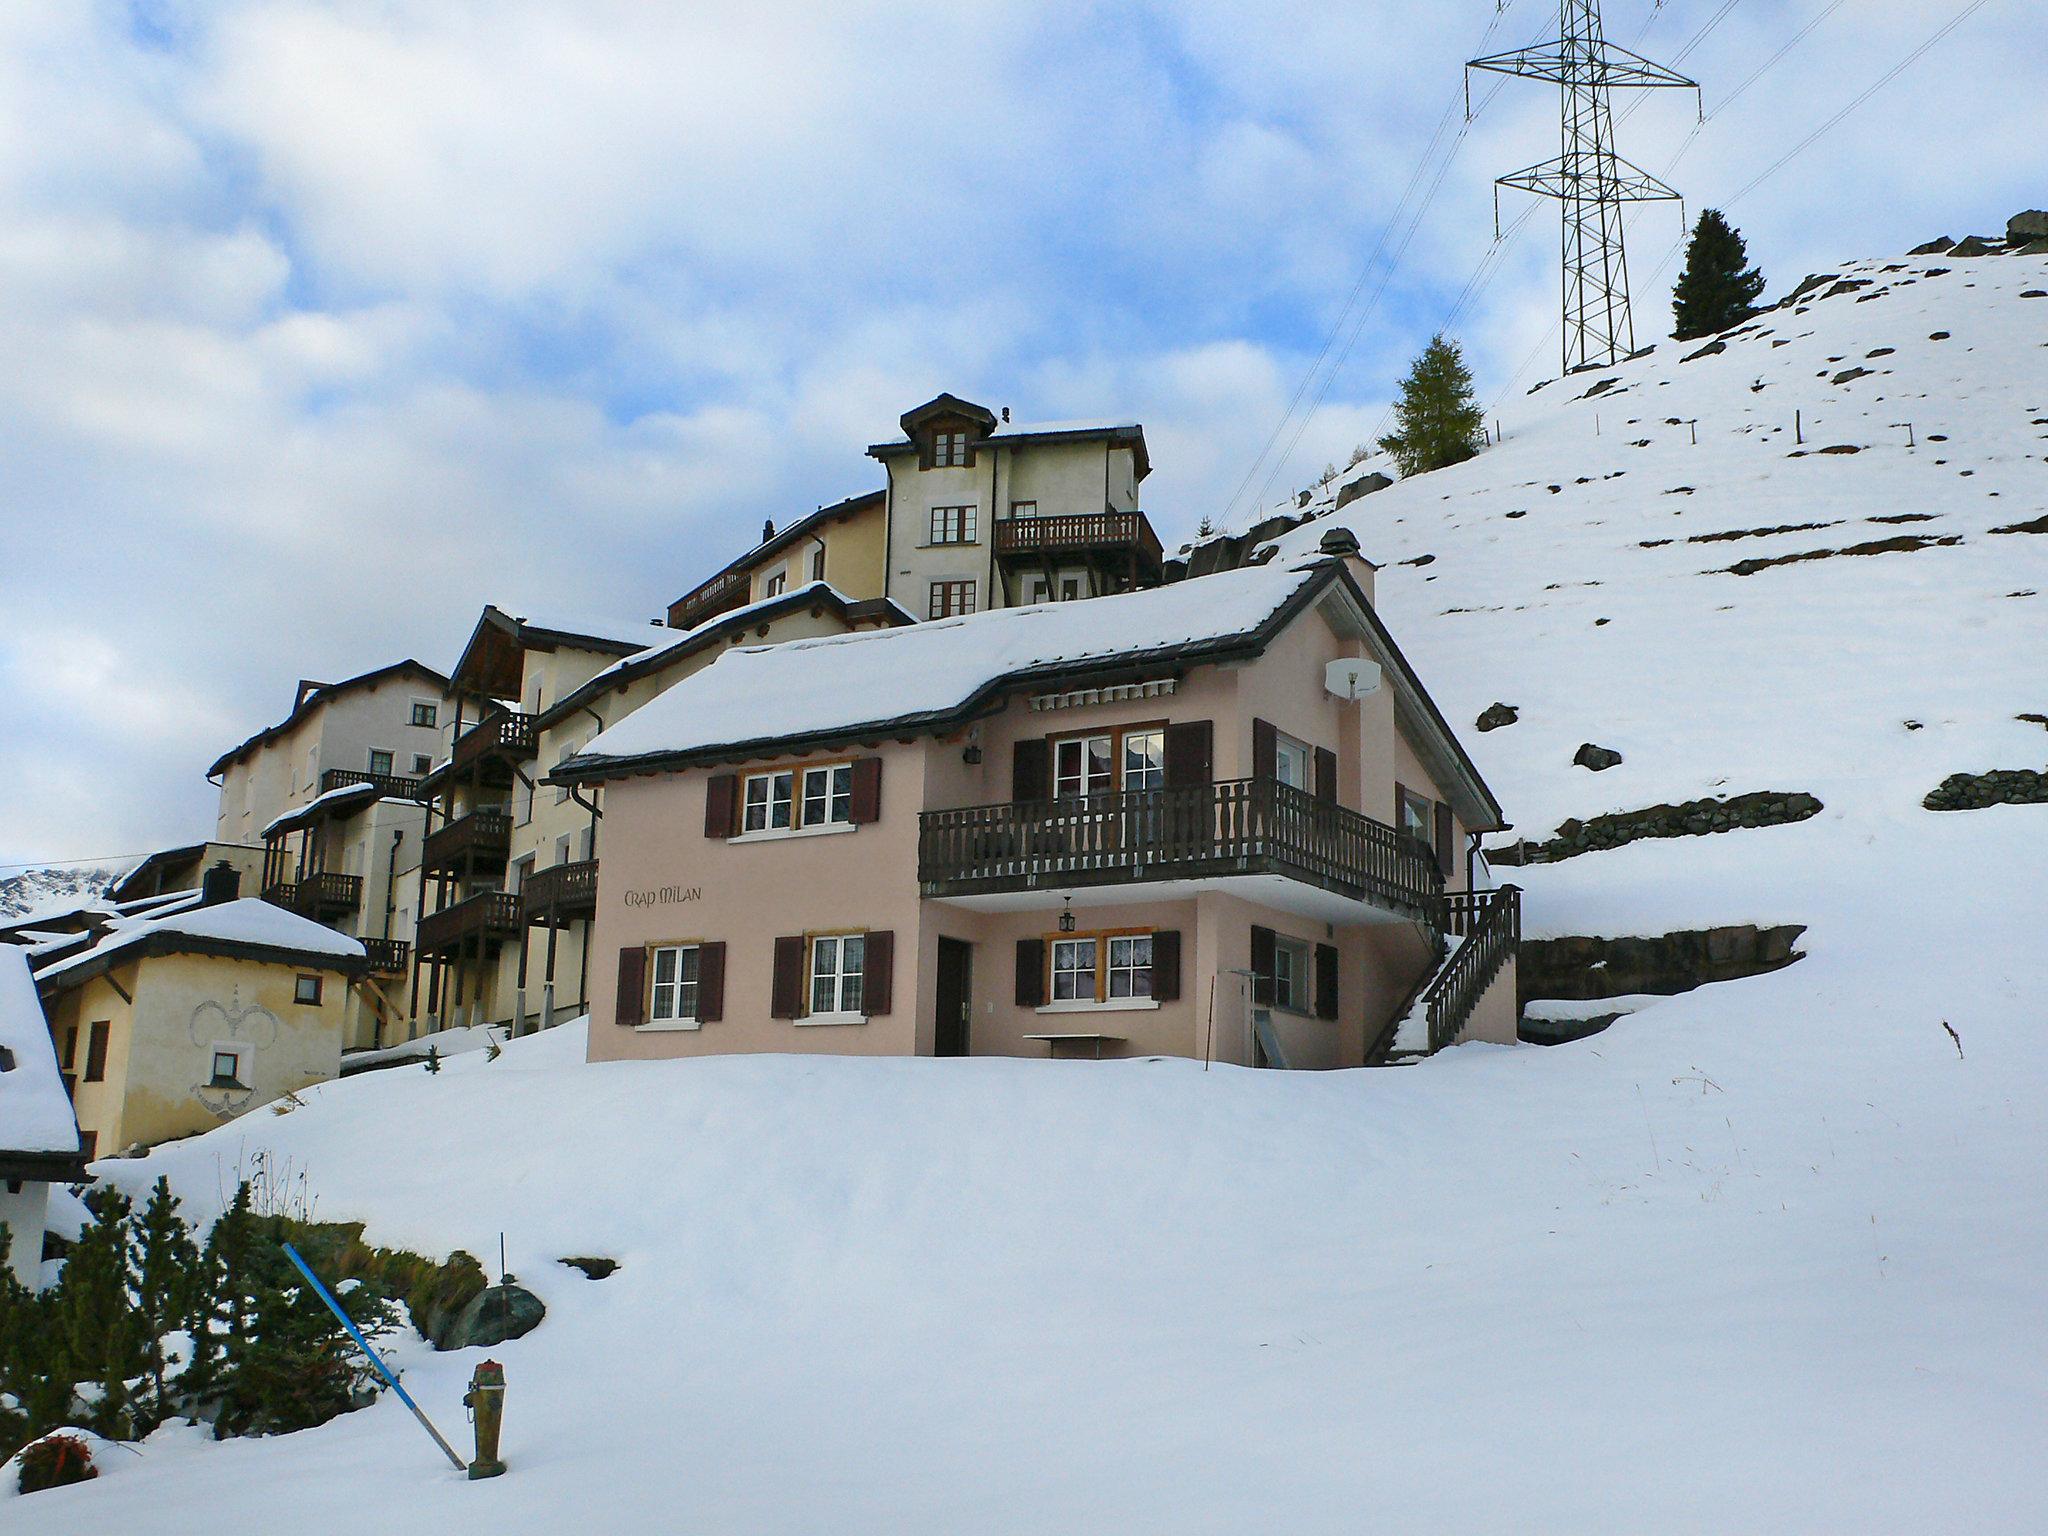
column 767, row 530
column 221, row 883
column 1341, row 543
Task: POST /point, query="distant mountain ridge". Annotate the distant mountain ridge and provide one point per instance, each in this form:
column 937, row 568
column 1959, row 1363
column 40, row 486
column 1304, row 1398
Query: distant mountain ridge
column 33, row 890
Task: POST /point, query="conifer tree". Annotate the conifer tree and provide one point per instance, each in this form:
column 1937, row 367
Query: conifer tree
column 222, row 1312
column 96, row 1326
column 1437, row 422
column 1714, row 292
column 168, row 1285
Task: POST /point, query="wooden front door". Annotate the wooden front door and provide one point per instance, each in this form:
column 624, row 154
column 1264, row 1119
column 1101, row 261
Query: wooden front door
column 956, row 997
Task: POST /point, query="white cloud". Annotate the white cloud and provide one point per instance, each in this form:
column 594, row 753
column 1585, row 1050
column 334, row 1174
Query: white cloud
column 324, row 321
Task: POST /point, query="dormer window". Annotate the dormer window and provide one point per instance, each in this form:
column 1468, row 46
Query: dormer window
column 949, row 450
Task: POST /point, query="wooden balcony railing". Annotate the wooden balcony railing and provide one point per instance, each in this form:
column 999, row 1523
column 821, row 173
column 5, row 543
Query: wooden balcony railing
column 1491, row 925
column 282, row 893
column 507, row 734
column 1239, row 826
column 483, row 837
column 560, row 893
column 325, row 894
column 388, row 957
column 396, row 786
column 489, row 915
column 721, row 594
column 1078, row 533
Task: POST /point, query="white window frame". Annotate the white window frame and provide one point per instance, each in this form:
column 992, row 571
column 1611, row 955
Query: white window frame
column 783, row 779
column 1128, row 955
column 1072, row 951
column 828, row 788
column 1294, row 762
column 952, row 523
column 845, row 985
column 1082, row 781
column 1149, row 772
column 1297, row 974
column 776, row 584
column 1094, row 985
column 812, row 811
column 679, row 994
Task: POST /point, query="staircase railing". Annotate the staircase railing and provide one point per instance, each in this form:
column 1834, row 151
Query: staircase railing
column 1491, row 922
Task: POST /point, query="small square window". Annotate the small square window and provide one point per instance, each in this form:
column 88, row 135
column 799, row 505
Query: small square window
column 1130, row 966
column 952, row 597
column 949, row 449
column 1023, row 509
column 952, row 525
column 828, row 795
column 422, row 765
column 380, row 760
column 775, row 585
column 425, row 712
column 227, row 1070
column 307, row 991
column 1073, row 970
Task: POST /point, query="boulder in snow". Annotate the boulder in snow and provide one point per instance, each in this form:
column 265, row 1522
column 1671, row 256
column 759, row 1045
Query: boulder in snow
column 1599, row 759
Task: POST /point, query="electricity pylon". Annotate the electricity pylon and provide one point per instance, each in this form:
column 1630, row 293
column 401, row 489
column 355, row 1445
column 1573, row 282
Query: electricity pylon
column 1589, row 178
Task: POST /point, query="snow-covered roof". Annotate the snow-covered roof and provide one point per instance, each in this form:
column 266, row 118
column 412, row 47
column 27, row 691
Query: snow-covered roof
column 246, row 921
column 35, row 1111
column 320, row 805
column 849, row 683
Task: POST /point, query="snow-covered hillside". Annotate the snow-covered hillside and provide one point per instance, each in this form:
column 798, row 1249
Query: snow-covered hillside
column 1766, row 1256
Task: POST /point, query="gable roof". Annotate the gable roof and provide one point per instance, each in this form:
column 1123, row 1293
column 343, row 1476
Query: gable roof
column 316, row 696
column 38, row 1133
column 680, row 645
column 243, row 929
column 1117, row 434
column 780, row 541
column 805, row 694
column 944, row 404
column 490, row 663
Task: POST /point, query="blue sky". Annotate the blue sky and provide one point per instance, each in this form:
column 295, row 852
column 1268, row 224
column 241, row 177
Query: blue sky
column 324, row 322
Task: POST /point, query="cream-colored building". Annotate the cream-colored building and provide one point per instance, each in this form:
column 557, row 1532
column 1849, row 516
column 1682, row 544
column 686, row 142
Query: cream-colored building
column 39, row 1143
column 171, row 870
column 1218, row 819
column 841, row 545
column 350, row 859
column 173, row 1021
column 388, row 726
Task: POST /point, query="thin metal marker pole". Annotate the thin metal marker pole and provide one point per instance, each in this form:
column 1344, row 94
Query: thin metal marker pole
column 375, row 1359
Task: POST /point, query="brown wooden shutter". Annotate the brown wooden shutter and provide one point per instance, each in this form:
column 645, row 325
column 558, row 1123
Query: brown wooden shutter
column 632, row 1005
column 1326, row 981
column 710, row 983
column 867, row 790
column 721, row 805
column 1262, row 965
column 1265, row 750
column 1166, row 965
column 786, row 995
column 1030, row 973
column 1190, row 753
column 1446, row 853
column 1326, row 775
column 878, row 968
column 96, row 1051
column 1031, row 769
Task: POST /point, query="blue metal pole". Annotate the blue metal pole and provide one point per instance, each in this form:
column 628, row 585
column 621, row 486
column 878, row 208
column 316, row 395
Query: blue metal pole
column 375, row 1359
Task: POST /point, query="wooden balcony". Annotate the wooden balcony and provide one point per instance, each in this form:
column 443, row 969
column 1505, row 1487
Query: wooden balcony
column 388, row 957
column 494, row 744
column 1199, row 832
column 282, row 893
column 323, row 895
column 560, row 894
column 479, row 841
column 721, row 594
column 488, row 918
column 392, row 785
column 1118, row 541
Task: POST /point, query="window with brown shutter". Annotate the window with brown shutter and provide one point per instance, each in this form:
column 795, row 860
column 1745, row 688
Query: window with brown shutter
column 879, row 977
column 710, row 983
column 1031, row 770
column 1166, row 965
column 1326, row 775
column 1030, row 973
column 786, row 994
column 1262, row 965
column 1190, row 753
column 1446, row 838
column 720, row 805
column 631, row 1008
column 867, row 790
column 96, row 1051
column 1326, row 981
column 1265, row 750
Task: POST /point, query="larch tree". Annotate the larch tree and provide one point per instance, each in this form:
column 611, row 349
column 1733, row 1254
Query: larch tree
column 1437, row 422
column 1717, row 289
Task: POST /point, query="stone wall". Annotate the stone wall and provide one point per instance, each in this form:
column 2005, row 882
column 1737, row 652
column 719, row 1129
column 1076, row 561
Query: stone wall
column 2001, row 786
column 1577, row 969
column 1693, row 818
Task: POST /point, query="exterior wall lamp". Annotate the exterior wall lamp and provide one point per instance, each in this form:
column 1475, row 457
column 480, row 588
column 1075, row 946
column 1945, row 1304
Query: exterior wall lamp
column 1067, row 916
column 972, row 755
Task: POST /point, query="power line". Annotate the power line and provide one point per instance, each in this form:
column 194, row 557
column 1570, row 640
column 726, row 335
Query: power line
column 106, row 859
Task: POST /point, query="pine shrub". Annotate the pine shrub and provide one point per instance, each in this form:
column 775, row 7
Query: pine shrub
column 1437, row 421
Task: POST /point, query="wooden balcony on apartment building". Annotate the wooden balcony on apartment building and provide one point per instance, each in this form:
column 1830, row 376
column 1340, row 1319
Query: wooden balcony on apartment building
column 1120, row 543
column 391, row 785
column 481, row 839
column 560, row 894
column 494, row 744
column 487, row 919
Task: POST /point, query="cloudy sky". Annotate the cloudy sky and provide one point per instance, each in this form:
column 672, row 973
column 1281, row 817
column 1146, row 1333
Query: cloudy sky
column 323, row 322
